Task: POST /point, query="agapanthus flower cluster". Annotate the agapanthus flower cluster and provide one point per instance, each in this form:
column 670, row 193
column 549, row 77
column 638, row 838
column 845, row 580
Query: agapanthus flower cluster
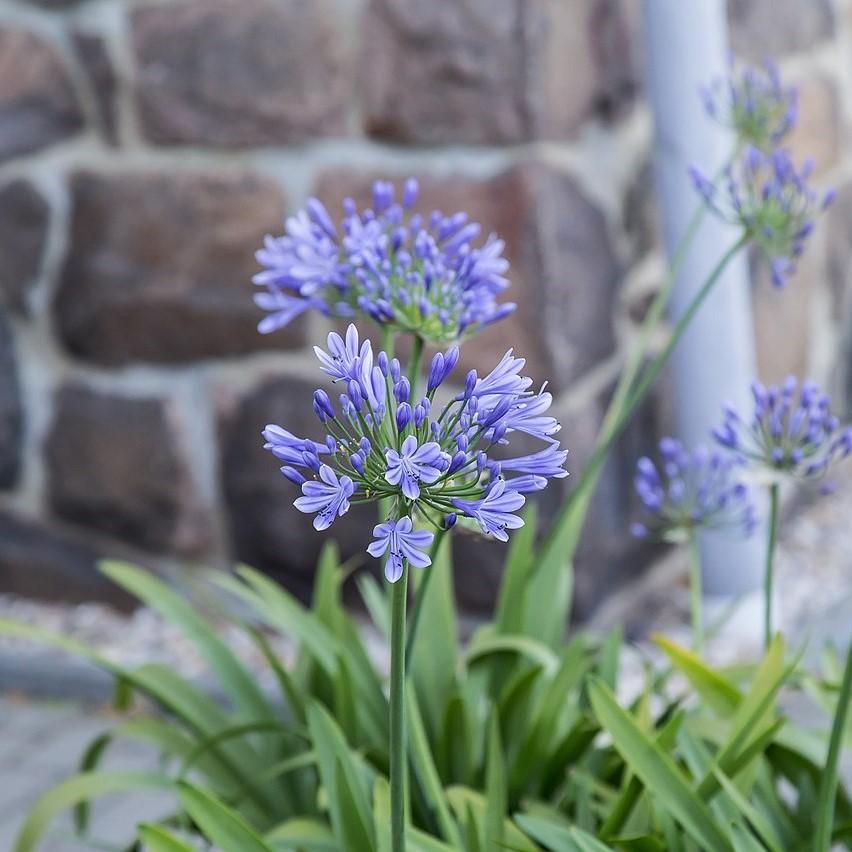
column 689, row 491
column 791, row 431
column 416, row 273
column 754, row 103
column 433, row 461
column 771, row 201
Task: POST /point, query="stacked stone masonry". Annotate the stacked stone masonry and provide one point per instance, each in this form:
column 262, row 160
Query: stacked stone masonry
column 146, row 147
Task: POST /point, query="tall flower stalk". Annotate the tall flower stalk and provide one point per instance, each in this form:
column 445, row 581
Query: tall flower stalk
column 428, row 455
column 686, row 492
column 769, row 569
column 791, row 434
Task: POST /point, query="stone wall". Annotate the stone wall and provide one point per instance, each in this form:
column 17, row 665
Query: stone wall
column 147, row 147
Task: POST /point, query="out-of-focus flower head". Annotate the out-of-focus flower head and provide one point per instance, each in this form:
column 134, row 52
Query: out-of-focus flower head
column 687, row 491
column 791, row 431
column 425, row 274
column 754, row 103
column 771, row 201
column 434, row 462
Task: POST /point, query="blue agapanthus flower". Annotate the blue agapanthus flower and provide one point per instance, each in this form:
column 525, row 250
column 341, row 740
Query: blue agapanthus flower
column 790, row 432
column 422, row 274
column 754, row 103
column 434, row 462
column 401, row 542
column 689, row 491
column 771, row 201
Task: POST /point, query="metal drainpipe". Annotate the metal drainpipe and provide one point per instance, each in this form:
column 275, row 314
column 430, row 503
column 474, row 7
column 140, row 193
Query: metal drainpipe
column 687, row 46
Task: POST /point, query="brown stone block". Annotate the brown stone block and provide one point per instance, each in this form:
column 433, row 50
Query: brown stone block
column 116, row 464
column 24, row 219
column 38, row 106
column 159, row 267
column 236, row 73
column 491, row 71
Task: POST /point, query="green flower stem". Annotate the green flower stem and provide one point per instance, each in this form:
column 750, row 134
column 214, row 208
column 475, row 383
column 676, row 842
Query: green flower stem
column 695, row 593
column 564, row 534
column 414, row 366
column 651, row 322
column 398, row 752
column 387, row 340
column 768, row 576
column 420, row 595
column 830, row 776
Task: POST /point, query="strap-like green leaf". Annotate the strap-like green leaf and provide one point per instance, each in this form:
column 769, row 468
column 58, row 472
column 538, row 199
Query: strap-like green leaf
column 470, row 804
column 425, row 770
column 829, row 782
column 236, row 680
column 521, row 645
column 434, row 654
column 157, row 839
column 302, row 835
column 555, row 835
column 281, row 610
column 657, row 771
column 222, row 826
column 496, row 794
column 510, row 612
column 350, row 812
column 744, row 840
column 80, row 788
column 717, row 691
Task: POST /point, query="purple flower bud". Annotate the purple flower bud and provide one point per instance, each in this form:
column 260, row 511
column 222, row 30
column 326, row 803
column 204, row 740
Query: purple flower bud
column 377, row 381
column 382, row 196
column 322, row 400
column 469, row 384
column 355, row 395
column 293, row 475
column 409, row 192
column 419, row 415
column 403, row 416
column 402, row 390
column 451, row 357
column 639, row 531
column 395, row 372
column 320, row 216
column 321, row 415
column 481, row 461
column 383, row 364
column 457, row 461
column 357, row 463
column 449, row 520
column 436, row 372
column 311, row 460
column 365, row 446
column 462, row 442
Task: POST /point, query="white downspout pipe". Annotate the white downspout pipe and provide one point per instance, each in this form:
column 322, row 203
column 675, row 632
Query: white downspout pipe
column 687, row 46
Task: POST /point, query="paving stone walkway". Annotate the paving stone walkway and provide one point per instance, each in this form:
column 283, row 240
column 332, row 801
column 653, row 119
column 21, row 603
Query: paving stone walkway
column 40, row 745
